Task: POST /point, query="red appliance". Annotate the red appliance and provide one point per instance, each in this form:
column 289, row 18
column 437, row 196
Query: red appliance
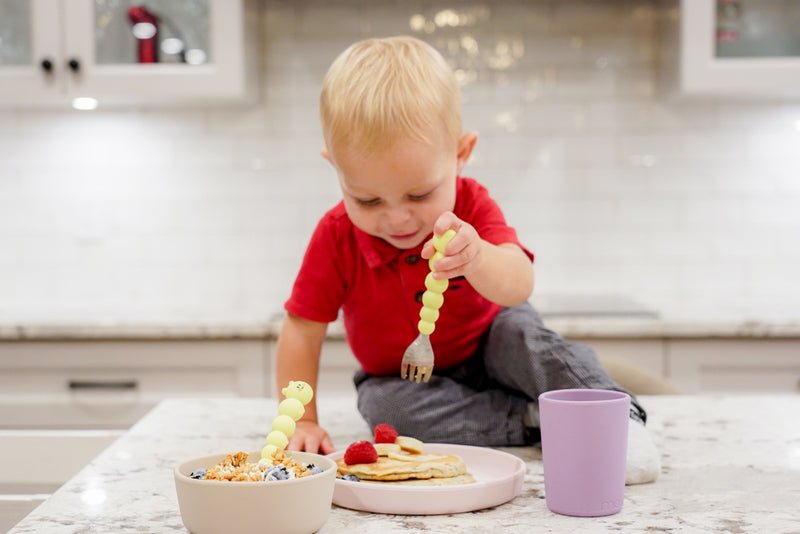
column 148, row 47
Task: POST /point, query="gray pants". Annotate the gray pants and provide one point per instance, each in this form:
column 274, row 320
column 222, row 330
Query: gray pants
column 484, row 400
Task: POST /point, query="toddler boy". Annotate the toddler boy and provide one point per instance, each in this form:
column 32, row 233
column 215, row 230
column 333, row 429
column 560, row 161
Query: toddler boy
column 391, row 119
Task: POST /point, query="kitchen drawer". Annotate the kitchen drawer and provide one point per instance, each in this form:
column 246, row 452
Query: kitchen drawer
column 644, row 354
column 40, row 461
column 37, row 462
column 741, row 365
column 13, row 508
column 111, row 384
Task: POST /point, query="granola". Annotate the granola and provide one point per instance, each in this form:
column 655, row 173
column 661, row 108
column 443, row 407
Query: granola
column 235, row 468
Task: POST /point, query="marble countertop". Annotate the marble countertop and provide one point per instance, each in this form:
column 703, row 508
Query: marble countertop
column 609, row 326
column 730, row 464
column 571, row 315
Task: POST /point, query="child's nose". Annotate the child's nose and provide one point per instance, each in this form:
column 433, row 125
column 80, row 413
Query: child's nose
column 398, row 215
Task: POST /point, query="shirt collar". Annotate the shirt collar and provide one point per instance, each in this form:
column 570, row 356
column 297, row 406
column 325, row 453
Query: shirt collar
column 376, row 251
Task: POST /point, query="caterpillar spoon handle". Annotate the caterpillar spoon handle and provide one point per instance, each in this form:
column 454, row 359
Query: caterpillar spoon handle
column 418, row 360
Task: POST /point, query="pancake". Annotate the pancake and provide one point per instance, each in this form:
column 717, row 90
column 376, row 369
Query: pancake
column 407, row 466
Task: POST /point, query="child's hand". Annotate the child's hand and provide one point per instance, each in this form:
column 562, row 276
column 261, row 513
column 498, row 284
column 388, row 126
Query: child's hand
column 310, row 437
column 463, row 254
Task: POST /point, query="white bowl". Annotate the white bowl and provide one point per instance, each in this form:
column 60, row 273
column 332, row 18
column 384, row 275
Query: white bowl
column 294, row 506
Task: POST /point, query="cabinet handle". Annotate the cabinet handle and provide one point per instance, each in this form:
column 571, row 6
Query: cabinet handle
column 100, row 384
column 74, row 65
column 47, row 65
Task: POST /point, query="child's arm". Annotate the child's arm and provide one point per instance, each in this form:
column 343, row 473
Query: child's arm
column 297, row 358
column 501, row 273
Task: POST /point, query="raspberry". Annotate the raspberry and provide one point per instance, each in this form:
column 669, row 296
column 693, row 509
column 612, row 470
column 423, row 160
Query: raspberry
column 360, row 452
column 385, row 433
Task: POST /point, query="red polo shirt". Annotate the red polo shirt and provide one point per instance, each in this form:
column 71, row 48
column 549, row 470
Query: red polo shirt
column 379, row 287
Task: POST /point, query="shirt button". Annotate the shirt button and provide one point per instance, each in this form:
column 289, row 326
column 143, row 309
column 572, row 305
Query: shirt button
column 418, row 296
column 412, row 259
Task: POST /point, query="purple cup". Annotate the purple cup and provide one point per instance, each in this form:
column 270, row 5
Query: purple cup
column 584, row 450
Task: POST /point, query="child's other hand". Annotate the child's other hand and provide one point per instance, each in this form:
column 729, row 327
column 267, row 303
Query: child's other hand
column 463, row 254
column 310, row 437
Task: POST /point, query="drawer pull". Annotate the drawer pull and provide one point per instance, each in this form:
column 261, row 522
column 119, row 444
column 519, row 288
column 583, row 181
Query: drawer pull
column 103, row 384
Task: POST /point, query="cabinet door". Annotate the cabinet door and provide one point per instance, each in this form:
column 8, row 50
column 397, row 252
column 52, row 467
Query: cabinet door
column 166, row 50
column 111, row 384
column 126, row 52
column 30, row 55
column 705, row 365
column 740, row 47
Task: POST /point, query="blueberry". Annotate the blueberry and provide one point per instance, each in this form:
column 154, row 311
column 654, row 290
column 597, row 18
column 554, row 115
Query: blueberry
column 279, row 472
column 351, row 478
column 315, row 470
column 199, row 474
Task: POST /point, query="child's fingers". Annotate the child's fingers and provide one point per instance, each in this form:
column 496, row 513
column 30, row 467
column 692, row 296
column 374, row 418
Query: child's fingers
column 427, row 250
column 446, row 220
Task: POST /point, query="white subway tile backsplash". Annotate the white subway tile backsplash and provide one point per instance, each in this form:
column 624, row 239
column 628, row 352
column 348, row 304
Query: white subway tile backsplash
column 688, row 206
column 315, row 20
column 764, row 212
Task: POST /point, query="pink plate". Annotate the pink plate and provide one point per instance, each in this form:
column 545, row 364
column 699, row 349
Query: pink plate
column 498, row 479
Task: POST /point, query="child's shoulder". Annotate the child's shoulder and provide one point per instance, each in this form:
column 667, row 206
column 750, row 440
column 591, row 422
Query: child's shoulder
column 336, row 213
column 470, row 192
column 336, row 221
column 469, row 186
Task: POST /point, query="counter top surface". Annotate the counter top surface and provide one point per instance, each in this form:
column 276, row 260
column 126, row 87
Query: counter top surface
column 730, row 464
column 574, row 326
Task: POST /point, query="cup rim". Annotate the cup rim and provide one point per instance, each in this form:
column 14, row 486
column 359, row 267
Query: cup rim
column 567, row 396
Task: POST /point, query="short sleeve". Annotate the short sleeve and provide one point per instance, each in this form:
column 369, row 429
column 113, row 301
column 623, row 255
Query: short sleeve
column 319, row 288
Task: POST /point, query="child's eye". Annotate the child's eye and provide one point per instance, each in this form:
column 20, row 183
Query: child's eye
column 368, row 202
column 418, row 198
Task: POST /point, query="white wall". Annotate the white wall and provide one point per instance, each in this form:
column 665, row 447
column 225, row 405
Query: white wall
column 691, row 207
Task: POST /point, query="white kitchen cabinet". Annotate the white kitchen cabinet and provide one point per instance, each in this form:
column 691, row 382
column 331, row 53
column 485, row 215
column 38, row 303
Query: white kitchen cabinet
column 37, row 462
column 13, row 508
column 63, row 402
column 52, row 51
column 644, row 354
column 636, row 364
column 708, row 365
column 744, row 48
column 691, row 365
column 336, row 367
column 337, row 363
column 111, row 384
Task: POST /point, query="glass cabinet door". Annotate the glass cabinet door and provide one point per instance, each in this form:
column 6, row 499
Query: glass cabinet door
column 16, row 47
column 29, row 59
column 757, row 28
column 166, row 31
column 125, row 52
column 742, row 48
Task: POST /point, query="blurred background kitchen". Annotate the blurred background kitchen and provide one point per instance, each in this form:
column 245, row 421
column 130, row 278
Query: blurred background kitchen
column 201, row 214
column 647, row 154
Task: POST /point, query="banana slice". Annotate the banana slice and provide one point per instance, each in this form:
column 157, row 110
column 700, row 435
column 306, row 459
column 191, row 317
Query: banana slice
column 387, row 449
column 405, row 457
column 410, row 444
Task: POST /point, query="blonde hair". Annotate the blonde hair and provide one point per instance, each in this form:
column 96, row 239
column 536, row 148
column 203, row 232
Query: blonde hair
column 379, row 90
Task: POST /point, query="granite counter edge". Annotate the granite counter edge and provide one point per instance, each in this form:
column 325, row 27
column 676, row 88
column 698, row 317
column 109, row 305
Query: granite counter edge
column 570, row 327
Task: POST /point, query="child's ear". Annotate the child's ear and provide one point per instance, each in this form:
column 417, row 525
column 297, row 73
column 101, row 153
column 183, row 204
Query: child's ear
column 465, row 146
column 325, row 154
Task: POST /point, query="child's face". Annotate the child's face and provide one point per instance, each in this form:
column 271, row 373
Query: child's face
column 398, row 193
